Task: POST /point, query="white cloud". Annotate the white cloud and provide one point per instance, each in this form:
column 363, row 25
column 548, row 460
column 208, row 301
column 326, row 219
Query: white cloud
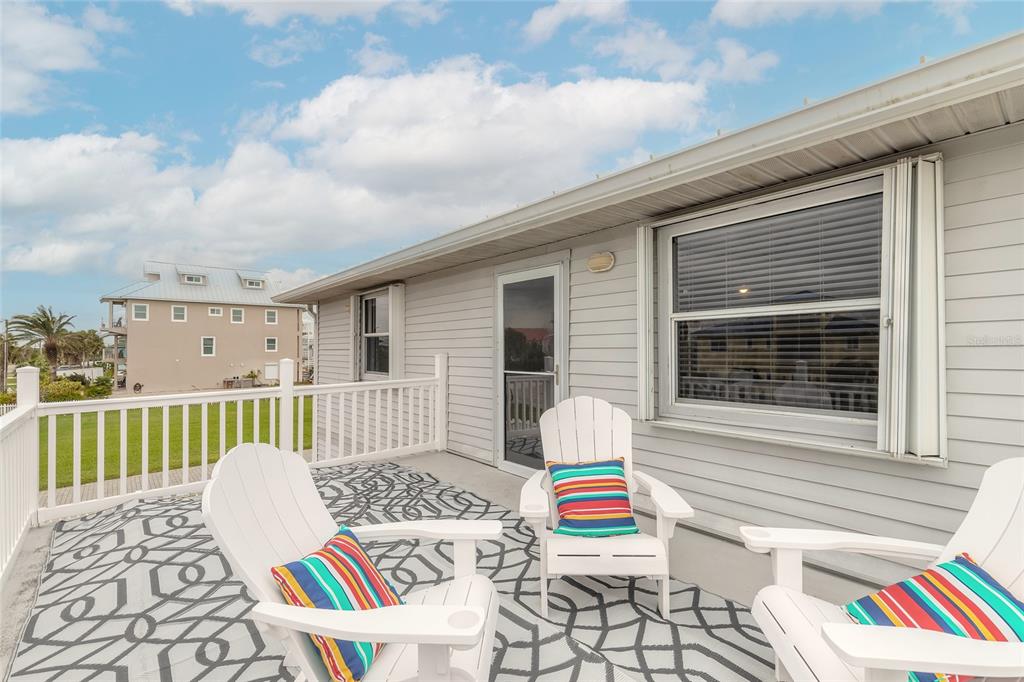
column 287, row 49
column 750, row 13
column 273, row 12
column 738, row 65
column 645, row 46
column 375, row 58
column 37, row 44
column 546, row 21
column 957, row 12
column 378, row 158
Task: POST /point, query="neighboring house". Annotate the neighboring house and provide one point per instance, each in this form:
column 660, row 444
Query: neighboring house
column 817, row 321
column 189, row 327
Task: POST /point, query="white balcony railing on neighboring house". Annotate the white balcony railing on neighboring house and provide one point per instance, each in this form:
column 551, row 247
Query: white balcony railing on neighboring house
column 90, row 453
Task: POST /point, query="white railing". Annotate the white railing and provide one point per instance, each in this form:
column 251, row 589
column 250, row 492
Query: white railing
column 4, row 409
column 99, row 453
column 19, row 468
column 527, row 396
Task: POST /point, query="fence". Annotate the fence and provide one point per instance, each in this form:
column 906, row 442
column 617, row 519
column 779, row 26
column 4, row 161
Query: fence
column 95, row 454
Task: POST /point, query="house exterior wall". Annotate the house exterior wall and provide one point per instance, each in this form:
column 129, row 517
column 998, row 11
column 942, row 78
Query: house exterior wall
column 164, row 356
column 732, row 482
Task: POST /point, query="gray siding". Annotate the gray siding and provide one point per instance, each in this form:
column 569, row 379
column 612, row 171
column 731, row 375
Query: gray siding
column 732, row 482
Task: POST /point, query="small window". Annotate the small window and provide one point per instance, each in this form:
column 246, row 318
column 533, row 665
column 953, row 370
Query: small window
column 237, row 315
column 254, row 284
column 140, row 312
column 270, row 316
column 270, row 344
column 208, row 346
column 193, row 279
column 179, row 313
column 375, row 333
column 216, row 312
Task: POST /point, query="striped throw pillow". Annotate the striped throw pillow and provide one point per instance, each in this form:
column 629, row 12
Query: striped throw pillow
column 340, row 576
column 592, row 498
column 958, row 597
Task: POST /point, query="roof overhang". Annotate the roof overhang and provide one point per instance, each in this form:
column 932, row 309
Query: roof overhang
column 975, row 90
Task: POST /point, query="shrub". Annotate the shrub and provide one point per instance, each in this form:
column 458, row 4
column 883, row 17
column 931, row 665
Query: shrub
column 79, row 377
column 101, row 387
column 7, row 398
column 61, row 390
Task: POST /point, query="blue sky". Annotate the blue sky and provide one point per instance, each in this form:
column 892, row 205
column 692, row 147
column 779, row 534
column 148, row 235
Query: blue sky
column 307, row 137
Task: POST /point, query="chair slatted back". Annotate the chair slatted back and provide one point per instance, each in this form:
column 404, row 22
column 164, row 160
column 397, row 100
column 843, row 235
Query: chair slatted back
column 586, row 429
column 263, row 510
column 993, row 530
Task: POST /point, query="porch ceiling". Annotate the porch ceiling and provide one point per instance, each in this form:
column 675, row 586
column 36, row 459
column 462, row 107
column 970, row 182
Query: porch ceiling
column 964, row 94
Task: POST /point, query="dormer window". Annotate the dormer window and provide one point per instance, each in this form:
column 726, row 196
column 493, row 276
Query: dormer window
column 254, row 284
column 193, row 279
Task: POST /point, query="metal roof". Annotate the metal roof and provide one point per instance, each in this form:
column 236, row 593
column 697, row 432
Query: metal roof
column 222, row 285
column 972, row 91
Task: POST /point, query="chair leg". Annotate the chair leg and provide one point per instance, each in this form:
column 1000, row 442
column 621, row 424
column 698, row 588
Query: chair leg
column 664, row 593
column 781, row 674
column 543, row 596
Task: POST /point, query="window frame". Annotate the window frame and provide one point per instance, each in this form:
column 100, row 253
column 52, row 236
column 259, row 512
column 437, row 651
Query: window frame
column 840, row 428
column 202, row 347
column 136, row 318
column 200, row 280
column 266, row 316
column 253, row 283
column 184, row 308
column 219, row 309
column 266, row 340
column 365, row 375
column 231, row 313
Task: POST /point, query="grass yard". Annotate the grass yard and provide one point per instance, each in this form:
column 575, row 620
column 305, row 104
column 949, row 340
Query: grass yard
column 112, row 438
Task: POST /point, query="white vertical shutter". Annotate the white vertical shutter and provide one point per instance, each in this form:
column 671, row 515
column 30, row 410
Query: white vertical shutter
column 645, row 322
column 396, row 327
column 911, row 419
column 355, row 342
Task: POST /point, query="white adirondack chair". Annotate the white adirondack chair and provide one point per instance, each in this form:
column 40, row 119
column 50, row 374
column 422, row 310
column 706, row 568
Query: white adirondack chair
column 263, row 510
column 587, row 430
column 815, row 640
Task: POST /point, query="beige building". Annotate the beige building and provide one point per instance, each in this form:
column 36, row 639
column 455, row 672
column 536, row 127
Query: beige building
column 191, row 327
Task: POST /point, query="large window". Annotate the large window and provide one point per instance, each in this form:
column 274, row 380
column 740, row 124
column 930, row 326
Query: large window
column 813, row 316
column 782, row 312
column 208, row 346
column 140, row 312
column 179, row 313
column 237, row 315
column 375, row 333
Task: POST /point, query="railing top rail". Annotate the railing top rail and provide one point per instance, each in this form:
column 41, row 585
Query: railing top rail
column 13, row 418
column 136, row 402
column 308, row 389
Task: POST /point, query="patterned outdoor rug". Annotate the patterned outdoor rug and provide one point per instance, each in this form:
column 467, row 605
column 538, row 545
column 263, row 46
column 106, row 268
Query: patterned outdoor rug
column 140, row 593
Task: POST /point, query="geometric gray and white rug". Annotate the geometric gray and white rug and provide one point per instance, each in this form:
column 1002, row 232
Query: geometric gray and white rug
column 139, row 592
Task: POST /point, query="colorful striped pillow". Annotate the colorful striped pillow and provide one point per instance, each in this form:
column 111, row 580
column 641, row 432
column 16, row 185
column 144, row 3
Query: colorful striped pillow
column 340, row 576
column 592, row 498
column 958, row 597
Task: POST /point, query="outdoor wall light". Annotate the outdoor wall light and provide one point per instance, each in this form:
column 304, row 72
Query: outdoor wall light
column 601, row 262
column 743, row 290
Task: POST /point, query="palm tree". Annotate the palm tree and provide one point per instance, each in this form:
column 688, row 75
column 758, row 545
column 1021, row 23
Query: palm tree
column 79, row 347
column 46, row 328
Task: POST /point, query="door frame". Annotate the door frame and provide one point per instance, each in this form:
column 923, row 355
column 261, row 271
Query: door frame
column 556, row 265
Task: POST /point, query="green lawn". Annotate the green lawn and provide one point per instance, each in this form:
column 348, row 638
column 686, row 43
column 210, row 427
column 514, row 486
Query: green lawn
column 112, row 438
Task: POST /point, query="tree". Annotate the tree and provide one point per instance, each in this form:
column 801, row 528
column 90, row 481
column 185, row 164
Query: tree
column 45, row 328
column 81, row 347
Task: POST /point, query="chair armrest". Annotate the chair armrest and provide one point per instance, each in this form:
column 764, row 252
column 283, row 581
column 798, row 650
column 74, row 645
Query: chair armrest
column 763, row 540
column 534, row 504
column 459, row 626
column 440, row 529
column 905, row 649
column 666, row 500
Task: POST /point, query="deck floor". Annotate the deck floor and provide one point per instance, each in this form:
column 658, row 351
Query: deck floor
column 140, row 591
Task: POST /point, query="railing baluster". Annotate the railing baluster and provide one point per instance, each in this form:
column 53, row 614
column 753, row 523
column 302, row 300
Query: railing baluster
column 145, row 448
column 123, row 451
column 391, row 422
column 101, row 454
column 238, row 422
column 185, row 417
column 222, row 431
column 51, row 460
column 327, row 426
column 273, row 420
column 430, row 414
column 315, row 426
column 204, row 436
column 419, row 415
column 376, row 419
column 255, row 420
column 165, row 434
column 76, row 457
column 300, row 431
column 366, row 422
column 343, row 423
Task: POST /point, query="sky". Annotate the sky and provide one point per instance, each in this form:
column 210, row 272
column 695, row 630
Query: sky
column 306, row 137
